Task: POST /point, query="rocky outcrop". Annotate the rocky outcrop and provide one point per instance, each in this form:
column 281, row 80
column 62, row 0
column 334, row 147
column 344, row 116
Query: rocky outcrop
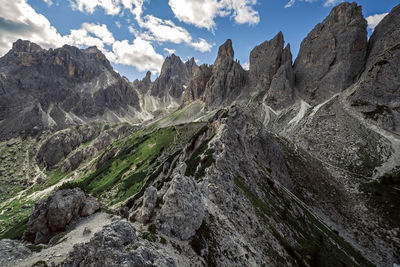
column 332, row 56
column 149, row 203
column 281, row 92
column 53, row 89
column 59, row 145
column 377, row 94
column 53, row 214
column 114, row 246
column 225, row 83
column 144, row 85
column 265, row 60
column 198, row 84
column 183, row 211
column 271, row 72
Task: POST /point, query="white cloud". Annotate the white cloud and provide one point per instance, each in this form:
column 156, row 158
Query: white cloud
column 169, row 50
column 18, row 20
column 374, row 20
column 203, row 13
column 327, row 3
column 246, row 66
column 48, row 2
column 155, row 29
column 118, row 24
column 166, row 31
column 111, row 7
column 100, row 31
column 140, row 54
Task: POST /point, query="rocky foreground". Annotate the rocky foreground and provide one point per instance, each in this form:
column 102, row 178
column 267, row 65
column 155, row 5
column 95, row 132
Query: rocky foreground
column 287, row 164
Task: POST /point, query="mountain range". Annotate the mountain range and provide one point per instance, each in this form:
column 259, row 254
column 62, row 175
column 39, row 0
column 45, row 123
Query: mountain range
column 294, row 162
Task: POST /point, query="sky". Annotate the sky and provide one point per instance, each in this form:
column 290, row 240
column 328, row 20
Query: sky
column 137, row 35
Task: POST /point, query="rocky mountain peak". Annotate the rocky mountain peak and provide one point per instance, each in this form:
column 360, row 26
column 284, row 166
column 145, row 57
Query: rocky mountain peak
column 265, row 59
column 147, row 78
column 332, row 55
column 191, row 66
column 25, row 46
column 225, row 52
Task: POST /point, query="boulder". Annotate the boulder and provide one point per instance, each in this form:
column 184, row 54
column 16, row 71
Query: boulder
column 149, row 203
column 53, row 214
column 183, row 211
column 112, row 246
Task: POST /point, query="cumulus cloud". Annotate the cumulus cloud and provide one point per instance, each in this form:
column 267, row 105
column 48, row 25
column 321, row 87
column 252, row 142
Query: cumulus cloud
column 246, row 66
column 18, row 20
column 166, row 31
column 111, row 7
column 140, row 52
column 374, row 20
column 327, row 3
column 155, row 29
column 202, row 14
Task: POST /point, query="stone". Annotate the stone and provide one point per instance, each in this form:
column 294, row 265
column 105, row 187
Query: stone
column 53, row 214
column 183, row 211
column 332, row 56
column 149, row 203
column 90, row 206
column 112, row 247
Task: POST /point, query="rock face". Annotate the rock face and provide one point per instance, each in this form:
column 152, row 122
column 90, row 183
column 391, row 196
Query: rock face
column 53, row 89
column 332, row 55
column 223, row 81
column 113, row 246
column 173, row 78
column 149, row 203
column 53, row 214
column 166, row 92
column 183, row 212
column 59, row 145
column 265, row 60
column 377, row 95
column 271, row 72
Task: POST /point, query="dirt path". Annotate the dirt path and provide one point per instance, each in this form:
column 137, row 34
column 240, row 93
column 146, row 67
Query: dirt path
column 59, row 252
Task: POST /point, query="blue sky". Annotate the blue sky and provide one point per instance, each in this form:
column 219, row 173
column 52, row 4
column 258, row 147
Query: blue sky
column 136, row 35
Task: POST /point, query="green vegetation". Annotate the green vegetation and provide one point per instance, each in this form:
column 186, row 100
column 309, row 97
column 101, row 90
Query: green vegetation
column 35, row 248
column 138, row 162
column 14, row 218
column 197, row 158
column 316, row 244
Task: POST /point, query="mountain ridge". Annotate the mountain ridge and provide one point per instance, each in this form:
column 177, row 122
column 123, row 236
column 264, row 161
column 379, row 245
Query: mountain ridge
column 286, row 164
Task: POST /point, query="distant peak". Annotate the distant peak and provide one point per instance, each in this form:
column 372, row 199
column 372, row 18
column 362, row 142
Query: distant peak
column 147, row 77
column 25, row 46
column 225, row 51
